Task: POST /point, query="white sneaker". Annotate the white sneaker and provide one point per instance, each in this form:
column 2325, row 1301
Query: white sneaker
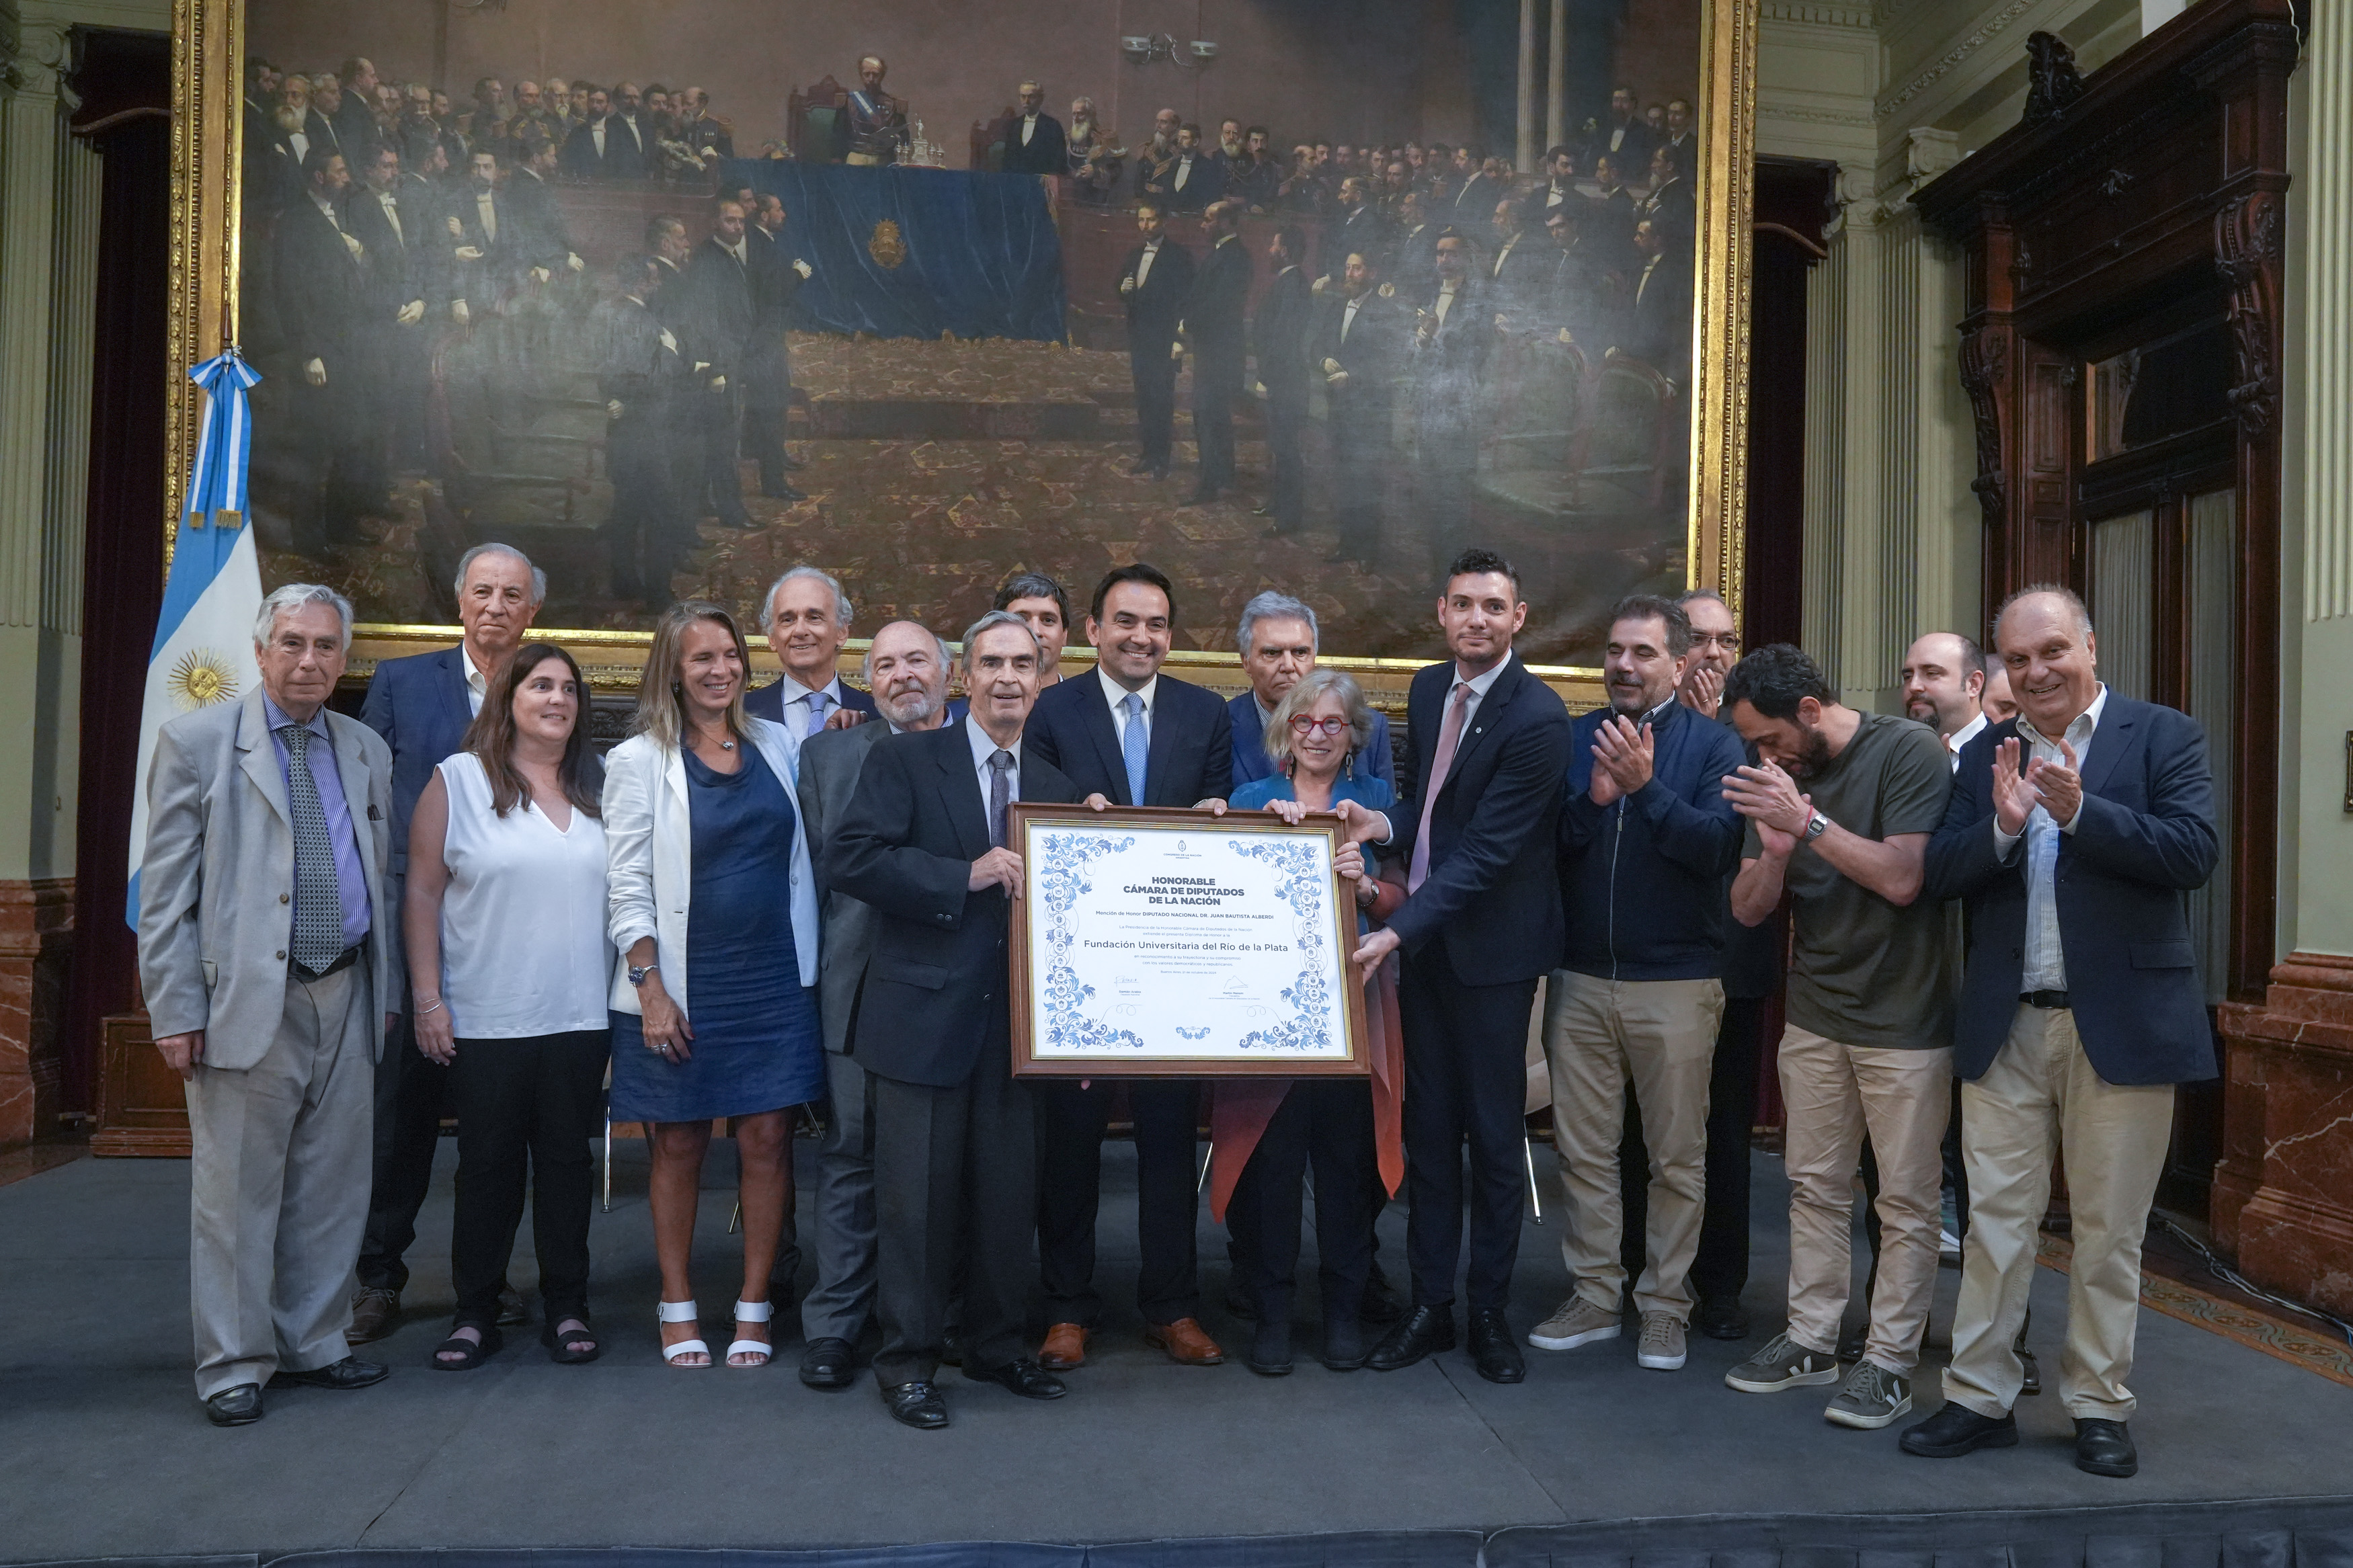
column 1577, row 1322
column 1661, row 1346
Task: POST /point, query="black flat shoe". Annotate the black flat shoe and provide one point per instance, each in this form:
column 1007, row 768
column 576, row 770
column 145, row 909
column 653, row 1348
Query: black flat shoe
column 1343, row 1346
column 916, row 1405
column 1721, row 1319
column 1269, row 1352
column 349, row 1372
column 1495, row 1350
column 470, row 1353
column 1419, row 1333
column 238, row 1407
column 2030, row 1379
column 828, row 1364
column 1023, row 1376
column 1956, row 1430
column 564, row 1348
column 2104, row 1448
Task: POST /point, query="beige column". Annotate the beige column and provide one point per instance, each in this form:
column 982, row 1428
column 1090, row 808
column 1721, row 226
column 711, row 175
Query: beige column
column 1556, row 79
column 48, row 237
column 1525, row 158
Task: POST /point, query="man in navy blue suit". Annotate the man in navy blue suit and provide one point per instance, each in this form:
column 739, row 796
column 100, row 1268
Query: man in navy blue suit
column 805, row 617
column 1278, row 638
column 422, row 705
column 1135, row 737
column 2076, row 833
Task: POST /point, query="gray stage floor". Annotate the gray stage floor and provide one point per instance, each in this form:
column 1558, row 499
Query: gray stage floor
column 106, row 1451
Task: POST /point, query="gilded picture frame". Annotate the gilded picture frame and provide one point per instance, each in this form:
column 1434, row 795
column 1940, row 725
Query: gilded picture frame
column 210, row 44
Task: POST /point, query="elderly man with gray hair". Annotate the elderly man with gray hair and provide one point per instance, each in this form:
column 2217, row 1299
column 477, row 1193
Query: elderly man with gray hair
column 805, row 617
column 266, row 951
column 422, row 705
column 1278, row 639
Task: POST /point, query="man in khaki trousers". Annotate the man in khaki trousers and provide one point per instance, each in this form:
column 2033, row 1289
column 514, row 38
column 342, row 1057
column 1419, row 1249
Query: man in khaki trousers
column 2075, row 830
column 265, row 946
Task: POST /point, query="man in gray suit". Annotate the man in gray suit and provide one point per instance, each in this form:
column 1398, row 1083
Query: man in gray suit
column 907, row 670
column 267, row 951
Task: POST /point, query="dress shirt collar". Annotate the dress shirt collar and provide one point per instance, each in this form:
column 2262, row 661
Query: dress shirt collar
column 1115, row 694
column 1482, row 684
column 279, row 719
column 794, row 690
column 738, row 251
column 1151, row 248
column 1962, row 737
column 985, row 747
column 2080, row 729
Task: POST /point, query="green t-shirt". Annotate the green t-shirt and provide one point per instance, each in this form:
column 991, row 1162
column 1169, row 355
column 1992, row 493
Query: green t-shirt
column 1862, row 972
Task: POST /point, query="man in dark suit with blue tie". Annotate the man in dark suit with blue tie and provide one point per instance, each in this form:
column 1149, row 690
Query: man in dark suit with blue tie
column 1278, row 638
column 1135, row 737
column 805, row 617
column 422, row 706
column 1487, row 746
column 2076, row 833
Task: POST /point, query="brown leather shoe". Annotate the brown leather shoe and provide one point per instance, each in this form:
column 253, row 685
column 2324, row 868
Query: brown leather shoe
column 375, row 1313
column 1186, row 1342
column 1065, row 1347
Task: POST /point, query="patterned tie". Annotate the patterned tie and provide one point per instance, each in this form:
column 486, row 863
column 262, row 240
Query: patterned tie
column 1135, row 746
column 816, row 700
column 1449, row 738
column 318, row 895
column 1000, row 795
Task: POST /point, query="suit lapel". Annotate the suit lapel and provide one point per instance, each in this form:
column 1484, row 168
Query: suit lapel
column 1094, row 713
column 1162, row 745
column 456, row 702
column 1486, row 717
column 960, row 790
column 260, row 759
column 351, row 768
column 2118, row 734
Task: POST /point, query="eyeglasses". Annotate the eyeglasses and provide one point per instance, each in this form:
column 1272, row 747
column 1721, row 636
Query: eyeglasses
column 1301, row 724
column 1728, row 641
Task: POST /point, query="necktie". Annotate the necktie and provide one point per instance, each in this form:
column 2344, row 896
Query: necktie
column 1135, row 746
column 816, row 700
column 1448, row 739
column 1000, row 795
column 318, row 895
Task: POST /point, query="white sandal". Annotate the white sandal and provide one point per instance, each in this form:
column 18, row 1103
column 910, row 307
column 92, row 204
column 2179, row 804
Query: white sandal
column 681, row 1312
column 752, row 1313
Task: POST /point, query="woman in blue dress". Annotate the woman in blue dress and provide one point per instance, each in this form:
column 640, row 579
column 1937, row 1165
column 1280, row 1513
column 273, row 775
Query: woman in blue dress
column 709, row 877
column 1267, row 1131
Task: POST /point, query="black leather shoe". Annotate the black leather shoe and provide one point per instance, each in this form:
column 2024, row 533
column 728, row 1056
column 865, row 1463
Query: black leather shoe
column 1269, row 1352
column 1956, row 1430
column 916, row 1405
column 1023, row 1376
column 2032, row 1380
column 1421, row 1332
column 1381, row 1303
column 1495, row 1350
column 784, row 492
column 742, row 521
column 951, row 1348
column 349, row 1372
column 2104, row 1448
column 1721, row 1319
column 1344, row 1344
column 1240, row 1301
column 238, row 1407
column 828, row 1363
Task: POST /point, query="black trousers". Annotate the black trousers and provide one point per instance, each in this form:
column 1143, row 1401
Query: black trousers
column 1329, row 1123
column 1216, row 383
column 411, row 1089
column 1070, row 1124
column 526, row 1110
column 1155, row 375
column 1286, row 420
column 763, row 438
column 718, row 491
column 1465, row 1081
column 954, row 1201
column 641, row 530
column 1363, row 460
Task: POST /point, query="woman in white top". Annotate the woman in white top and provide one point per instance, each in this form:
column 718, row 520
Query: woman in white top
column 509, row 962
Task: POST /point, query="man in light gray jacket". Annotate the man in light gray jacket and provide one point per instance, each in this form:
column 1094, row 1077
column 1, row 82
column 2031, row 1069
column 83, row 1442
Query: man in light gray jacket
column 267, row 949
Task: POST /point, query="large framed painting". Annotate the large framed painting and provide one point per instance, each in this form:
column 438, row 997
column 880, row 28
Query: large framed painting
column 1270, row 293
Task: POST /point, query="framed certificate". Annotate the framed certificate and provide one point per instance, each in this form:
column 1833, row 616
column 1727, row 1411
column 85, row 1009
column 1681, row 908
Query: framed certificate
column 1153, row 943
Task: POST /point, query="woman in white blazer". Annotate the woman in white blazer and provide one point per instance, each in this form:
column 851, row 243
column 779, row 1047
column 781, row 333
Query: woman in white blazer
column 710, row 874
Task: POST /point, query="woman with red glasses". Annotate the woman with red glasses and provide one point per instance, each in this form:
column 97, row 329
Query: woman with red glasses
column 1267, row 1131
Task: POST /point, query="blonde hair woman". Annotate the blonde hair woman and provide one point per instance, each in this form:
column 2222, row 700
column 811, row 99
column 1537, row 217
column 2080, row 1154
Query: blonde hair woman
column 710, row 874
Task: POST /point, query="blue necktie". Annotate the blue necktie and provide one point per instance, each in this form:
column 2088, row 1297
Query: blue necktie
column 1135, row 746
column 816, row 700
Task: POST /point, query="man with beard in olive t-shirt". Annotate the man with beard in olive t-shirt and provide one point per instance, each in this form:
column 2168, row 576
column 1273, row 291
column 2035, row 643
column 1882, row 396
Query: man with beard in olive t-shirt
column 1840, row 804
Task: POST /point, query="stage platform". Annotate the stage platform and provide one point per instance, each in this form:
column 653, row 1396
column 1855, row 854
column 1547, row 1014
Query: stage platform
column 1591, row 1461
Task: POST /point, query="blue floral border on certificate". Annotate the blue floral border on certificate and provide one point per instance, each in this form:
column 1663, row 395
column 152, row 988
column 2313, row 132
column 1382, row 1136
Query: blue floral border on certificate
column 1062, row 878
column 1305, row 880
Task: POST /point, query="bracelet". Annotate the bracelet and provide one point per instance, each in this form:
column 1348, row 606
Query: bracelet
column 424, row 1012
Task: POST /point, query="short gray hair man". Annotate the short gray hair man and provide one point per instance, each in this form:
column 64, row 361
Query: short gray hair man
column 842, row 608
column 1273, row 606
column 466, row 564
column 290, row 599
column 991, row 622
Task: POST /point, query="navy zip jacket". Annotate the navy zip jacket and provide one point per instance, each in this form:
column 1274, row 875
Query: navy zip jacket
column 1641, row 880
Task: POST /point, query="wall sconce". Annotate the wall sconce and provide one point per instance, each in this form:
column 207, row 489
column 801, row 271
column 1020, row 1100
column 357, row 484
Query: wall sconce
column 1204, row 51
column 1143, row 51
column 1138, row 50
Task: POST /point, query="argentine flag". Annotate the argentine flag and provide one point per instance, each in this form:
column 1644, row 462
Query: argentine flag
column 203, row 637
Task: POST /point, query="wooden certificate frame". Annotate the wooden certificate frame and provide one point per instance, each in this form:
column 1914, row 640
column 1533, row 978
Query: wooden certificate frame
column 1292, row 1048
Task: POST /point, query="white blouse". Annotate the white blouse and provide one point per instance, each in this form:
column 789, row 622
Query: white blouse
column 523, row 920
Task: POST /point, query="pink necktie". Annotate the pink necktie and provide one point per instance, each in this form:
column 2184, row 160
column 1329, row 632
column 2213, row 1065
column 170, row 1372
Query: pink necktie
column 1448, row 739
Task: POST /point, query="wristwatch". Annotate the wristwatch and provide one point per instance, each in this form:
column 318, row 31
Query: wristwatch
column 637, row 976
column 1816, row 826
